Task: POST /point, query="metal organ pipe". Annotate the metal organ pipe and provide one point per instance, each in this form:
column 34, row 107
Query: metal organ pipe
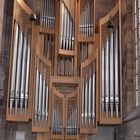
column 111, row 74
column 40, row 96
column 23, row 77
column 116, row 74
column 47, row 14
column 65, row 24
column 93, row 96
column 14, row 67
column 47, row 98
column 27, row 76
column 62, row 32
column 103, row 78
column 18, row 76
column 107, row 76
column 37, row 91
column 43, row 96
column 70, row 34
column 20, row 72
column 86, row 97
column 89, row 99
column 67, row 29
column 111, row 81
column 86, row 20
column 83, row 102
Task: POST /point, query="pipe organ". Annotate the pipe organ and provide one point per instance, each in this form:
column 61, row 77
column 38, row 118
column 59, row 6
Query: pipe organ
column 86, row 18
column 67, row 29
column 47, row 13
column 110, row 82
column 64, row 76
column 41, row 103
column 88, row 94
column 111, row 86
column 19, row 90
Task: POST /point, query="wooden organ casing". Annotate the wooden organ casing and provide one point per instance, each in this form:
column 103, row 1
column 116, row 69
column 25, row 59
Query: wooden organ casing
column 62, row 91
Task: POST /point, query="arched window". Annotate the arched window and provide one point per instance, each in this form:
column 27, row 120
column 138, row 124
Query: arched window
column 137, row 47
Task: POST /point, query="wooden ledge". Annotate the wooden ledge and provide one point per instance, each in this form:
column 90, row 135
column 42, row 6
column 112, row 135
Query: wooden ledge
column 110, row 121
column 64, row 80
column 47, row 30
column 86, row 39
column 66, row 52
column 88, row 130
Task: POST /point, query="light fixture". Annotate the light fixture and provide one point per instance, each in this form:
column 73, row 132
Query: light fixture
column 33, row 17
column 110, row 24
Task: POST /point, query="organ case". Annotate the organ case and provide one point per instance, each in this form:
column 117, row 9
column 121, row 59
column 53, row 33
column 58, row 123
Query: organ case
column 59, row 85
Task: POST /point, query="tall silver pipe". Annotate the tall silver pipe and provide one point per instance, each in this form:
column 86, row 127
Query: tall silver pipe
column 65, row 27
column 111, row 74
column 36, row 94
column 43, row 96
column 90, row 17
column 67, row 31
column 47, row 99
column 14, row 67
column 88, row 25
column 86, row 97
column 116, row 74
column 92, row 22
column 86, row 17
column 73, row 29
column 107, row 76
column 103, row 79
column 27, row 77
column 23, row 77
column 18, row 74
column 62, row 29
column 40, row 96
column 93, row 96
column 89, row 99
column 70, row 34
column 83, row 101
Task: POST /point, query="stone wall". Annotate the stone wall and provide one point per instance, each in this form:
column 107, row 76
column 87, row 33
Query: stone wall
column 103, row 133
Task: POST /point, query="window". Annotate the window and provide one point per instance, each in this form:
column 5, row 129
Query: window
column 137, row 47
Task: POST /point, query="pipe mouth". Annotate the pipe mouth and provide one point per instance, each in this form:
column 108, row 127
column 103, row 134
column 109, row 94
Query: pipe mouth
column 33, row 17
